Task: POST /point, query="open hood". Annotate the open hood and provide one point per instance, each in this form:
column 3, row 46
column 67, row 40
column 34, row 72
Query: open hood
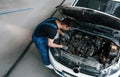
column 91, row 16
column 93, row 47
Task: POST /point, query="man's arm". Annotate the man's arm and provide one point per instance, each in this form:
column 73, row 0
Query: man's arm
column 60, row 32
column 52, row 44
column 63, row 34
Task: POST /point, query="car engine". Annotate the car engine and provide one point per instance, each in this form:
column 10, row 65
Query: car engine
column 93, row 51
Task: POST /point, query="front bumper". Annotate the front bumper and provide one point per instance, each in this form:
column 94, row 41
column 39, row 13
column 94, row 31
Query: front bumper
column 63, row 70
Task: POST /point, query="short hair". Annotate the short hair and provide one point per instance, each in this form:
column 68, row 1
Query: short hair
column 66, row 21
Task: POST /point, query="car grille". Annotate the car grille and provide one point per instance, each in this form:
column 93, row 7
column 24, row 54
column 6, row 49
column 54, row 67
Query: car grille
column 89, row 70
column 65, row 74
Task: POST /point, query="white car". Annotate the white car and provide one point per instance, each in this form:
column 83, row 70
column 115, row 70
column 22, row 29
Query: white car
column 94, row 45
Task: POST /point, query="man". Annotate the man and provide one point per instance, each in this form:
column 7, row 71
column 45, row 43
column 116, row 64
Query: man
column 45, row 33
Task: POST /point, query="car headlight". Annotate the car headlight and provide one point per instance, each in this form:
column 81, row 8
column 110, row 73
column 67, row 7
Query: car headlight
column 111, row 70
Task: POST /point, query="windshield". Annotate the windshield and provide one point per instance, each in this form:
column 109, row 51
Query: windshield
column 109, row 6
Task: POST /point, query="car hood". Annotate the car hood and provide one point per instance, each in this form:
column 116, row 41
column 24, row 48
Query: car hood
column 91, row 16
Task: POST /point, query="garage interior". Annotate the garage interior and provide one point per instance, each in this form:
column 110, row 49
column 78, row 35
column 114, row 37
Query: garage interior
column 18, row 18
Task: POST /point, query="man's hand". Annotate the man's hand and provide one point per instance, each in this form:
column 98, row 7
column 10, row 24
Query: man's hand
column 66, row 37
column 65, row 48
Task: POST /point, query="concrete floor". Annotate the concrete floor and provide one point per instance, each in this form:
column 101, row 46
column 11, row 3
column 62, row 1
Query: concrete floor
column 18, row 18
column 32, row 66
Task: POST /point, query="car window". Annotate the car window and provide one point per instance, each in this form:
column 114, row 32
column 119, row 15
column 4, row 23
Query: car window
column 109, row 6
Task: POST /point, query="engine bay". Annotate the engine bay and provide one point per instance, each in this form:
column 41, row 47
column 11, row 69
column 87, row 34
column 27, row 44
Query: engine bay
column 96, row 50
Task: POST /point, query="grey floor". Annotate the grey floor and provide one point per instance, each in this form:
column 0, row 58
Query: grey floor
column 18, row 18
column 32, row 66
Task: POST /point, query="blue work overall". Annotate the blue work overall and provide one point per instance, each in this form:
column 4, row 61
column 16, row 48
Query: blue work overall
column 42, row 42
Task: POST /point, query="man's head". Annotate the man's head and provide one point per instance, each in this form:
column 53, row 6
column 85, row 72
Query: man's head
column 66, row 23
